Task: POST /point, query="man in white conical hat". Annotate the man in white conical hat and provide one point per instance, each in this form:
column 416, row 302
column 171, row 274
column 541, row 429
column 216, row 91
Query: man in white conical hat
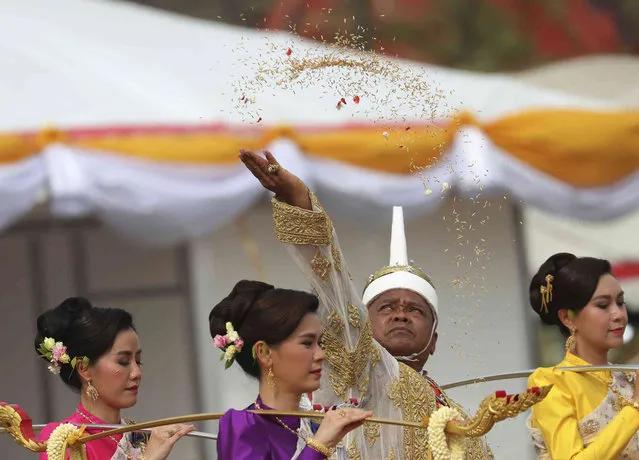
column 402, row 306
column 399, row 295
column 375, row 346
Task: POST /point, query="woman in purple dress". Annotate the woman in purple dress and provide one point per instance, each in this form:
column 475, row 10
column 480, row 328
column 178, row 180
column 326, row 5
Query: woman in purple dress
column 274, row 335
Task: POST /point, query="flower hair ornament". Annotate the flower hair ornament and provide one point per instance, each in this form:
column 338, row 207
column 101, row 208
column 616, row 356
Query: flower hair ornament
column 231, row 344
column 56, row 354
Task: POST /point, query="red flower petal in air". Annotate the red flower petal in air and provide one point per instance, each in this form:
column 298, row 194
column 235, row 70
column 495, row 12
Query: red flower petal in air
column 343, row 101
column 289, row 52
column 259, row 119
column 356, row 99
column 500, row 394
column 407, row 128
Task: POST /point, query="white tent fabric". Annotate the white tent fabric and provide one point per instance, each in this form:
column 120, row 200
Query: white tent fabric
column 163, row 204
column 610, row 77
column 75, row 63
column 20, row 186
column 95, row 62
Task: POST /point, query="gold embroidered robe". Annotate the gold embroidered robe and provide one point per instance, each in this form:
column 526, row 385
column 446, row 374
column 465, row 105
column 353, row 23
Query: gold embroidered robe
column 358, row 366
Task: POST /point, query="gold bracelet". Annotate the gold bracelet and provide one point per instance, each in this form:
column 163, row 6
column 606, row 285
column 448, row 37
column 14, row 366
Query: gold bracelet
column 319, row 447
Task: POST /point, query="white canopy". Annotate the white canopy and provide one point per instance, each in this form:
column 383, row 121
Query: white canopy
column 78, row 63
column 96, row 62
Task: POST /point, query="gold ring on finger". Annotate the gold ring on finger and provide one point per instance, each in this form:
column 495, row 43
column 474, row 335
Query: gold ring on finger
column 273, row 168
column 342, row 413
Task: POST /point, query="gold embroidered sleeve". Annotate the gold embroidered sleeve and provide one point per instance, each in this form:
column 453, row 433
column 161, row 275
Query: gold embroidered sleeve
column 351, row 353
column 311, row 238
column 356, row 365
column 302, row 226
column 347, row 368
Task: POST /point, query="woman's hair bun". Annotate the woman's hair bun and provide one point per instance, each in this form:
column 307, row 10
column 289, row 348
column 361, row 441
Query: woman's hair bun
column 234, row 307
column 573, row 283
column 55, row 322
column 86, row 332
column 260, row 312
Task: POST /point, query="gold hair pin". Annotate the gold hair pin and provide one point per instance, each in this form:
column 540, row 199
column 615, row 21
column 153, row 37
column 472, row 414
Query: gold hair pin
column 546, row 293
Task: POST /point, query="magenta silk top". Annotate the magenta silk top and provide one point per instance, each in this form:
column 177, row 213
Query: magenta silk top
column 109, row 448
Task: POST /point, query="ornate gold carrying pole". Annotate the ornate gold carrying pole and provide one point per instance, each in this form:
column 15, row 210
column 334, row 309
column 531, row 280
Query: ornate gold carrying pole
column 488, row 378
column 605, row 367
column 114, row 426
column 526, row 373
column 494, row 408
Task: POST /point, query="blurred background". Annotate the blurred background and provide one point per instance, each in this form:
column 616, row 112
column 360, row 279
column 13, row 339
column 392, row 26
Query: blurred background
column 482, row 35
column 508, row 129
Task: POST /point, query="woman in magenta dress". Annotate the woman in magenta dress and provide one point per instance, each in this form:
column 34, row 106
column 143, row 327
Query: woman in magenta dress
column 274, row 335
column 96, row 352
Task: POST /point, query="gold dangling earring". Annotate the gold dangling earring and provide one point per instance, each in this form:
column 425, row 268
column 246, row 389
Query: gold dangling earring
column 571, row 342
column 270, row 377
column 92, row 392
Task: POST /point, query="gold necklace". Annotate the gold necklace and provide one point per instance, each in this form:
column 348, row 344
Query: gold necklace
column 321, row 448
column 284, row 425
column 117, row 444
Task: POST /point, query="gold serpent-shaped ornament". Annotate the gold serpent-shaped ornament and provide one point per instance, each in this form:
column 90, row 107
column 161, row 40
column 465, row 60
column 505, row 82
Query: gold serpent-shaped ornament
column 495, row 408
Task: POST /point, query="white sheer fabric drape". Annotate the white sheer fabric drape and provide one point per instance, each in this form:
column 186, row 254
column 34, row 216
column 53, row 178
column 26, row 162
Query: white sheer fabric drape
column 164, row 203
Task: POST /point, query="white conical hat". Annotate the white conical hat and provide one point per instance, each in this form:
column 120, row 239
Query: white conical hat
column 399, row 274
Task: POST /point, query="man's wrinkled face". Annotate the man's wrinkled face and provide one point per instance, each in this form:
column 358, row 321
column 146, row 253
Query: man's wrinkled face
column 402, row 322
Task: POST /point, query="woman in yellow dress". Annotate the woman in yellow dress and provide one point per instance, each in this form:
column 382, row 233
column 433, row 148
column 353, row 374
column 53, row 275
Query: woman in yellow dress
column 587, row 415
